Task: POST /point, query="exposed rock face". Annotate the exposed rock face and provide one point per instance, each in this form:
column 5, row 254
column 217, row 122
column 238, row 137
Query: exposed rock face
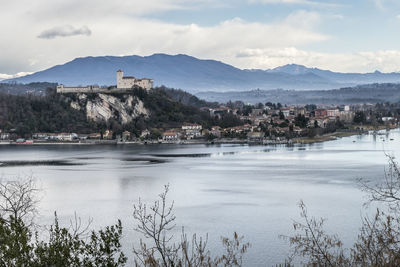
column 103, row 107
column 97, row 111
column 75, row 105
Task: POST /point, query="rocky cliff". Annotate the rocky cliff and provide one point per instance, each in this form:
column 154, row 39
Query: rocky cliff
column 102, row 107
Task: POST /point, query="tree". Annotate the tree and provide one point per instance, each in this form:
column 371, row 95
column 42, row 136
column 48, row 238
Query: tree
column 209, row 136
column 313, row 244
column 359, row 117
column 310, row 107
column 388, row 189
column 281, row 115
column 247, row 109
column 72, row 248
column 18, row 199
column 312, row 132
column 301, row 121
column 20, row 244
column 378, row 242
column 156, row 222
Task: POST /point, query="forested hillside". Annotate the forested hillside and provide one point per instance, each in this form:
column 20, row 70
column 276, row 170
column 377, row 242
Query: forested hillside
column 36, row 88
column 368, row 93
column 26, row 114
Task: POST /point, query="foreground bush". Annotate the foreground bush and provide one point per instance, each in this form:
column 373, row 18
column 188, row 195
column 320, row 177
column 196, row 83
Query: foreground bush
column 22, row 245
column 378, row 242
column 155, row 223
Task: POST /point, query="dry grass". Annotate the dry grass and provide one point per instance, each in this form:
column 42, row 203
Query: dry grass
column 323, row 138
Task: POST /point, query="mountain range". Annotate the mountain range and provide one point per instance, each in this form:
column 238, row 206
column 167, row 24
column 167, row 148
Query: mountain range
column 360, row 94
column 198, row 75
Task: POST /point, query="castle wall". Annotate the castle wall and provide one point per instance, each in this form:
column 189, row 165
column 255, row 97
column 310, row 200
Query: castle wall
column 88, row 90
column 144, row 83
column 124, row 84
column 77, row 89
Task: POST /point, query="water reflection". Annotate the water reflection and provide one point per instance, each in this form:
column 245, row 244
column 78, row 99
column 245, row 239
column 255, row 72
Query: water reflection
column 217, row 189
column 21, row 163
column 145, row 160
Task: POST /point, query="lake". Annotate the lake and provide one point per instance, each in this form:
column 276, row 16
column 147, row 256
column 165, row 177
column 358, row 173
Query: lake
column 217, row 189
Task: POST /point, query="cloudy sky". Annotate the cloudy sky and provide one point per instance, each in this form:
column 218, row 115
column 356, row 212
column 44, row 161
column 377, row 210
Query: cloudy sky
column 341, row 35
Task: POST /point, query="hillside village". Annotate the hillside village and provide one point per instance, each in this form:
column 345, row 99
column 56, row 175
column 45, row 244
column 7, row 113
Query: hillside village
column 268, row 124
column 273, row 123
column 133, row 111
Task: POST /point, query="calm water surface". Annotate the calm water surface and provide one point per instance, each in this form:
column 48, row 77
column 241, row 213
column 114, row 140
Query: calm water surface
column 253, row 190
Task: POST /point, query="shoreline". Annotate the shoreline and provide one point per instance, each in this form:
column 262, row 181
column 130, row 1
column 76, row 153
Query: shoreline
column 326, row 137
column 340, row 134
column 267, row 142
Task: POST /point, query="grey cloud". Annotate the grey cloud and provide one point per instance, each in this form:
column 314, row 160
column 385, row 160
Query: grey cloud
column 245, row 54
column 64, row 31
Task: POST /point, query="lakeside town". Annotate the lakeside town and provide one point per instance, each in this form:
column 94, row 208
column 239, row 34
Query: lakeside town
column 267, row 123
column 134, row 102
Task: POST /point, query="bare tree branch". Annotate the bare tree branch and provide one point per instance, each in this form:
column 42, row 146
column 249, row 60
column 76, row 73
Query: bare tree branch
column 19, row 199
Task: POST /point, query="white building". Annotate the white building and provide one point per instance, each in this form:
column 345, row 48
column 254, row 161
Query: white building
column 127, row 82
column 66, row 136
column 286, row 112
column 170, row 136
column 192, row 130
column 191, row 126
column 332, row 112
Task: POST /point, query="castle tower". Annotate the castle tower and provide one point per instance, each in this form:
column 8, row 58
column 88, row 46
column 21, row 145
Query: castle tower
column 120, row 75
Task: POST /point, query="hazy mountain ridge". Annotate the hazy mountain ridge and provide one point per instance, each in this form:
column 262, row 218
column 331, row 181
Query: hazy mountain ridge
column 36, row 88
column 361, row 94
column 196, row 75
column 356, row 78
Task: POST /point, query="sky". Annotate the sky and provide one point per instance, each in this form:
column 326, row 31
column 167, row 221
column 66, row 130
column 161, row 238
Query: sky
column 340, row 35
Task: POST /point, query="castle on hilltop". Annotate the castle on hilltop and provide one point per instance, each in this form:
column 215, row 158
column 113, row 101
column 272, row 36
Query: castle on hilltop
column 124, row 84
column 129, row 81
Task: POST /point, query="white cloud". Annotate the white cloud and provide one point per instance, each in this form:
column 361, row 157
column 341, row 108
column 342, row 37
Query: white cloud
column 379, row 4
column 336, row 17
column 119, row 31
column 283, row 1
column 386, row 5
column 99, row 9
column 4, row 76
column 304, row 19
column 385, row 60
column 122, row 27
column 297, row 2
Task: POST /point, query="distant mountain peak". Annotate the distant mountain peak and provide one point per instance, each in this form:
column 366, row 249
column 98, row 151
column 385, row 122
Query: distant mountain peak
column 292, row 69
column 194, row 75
